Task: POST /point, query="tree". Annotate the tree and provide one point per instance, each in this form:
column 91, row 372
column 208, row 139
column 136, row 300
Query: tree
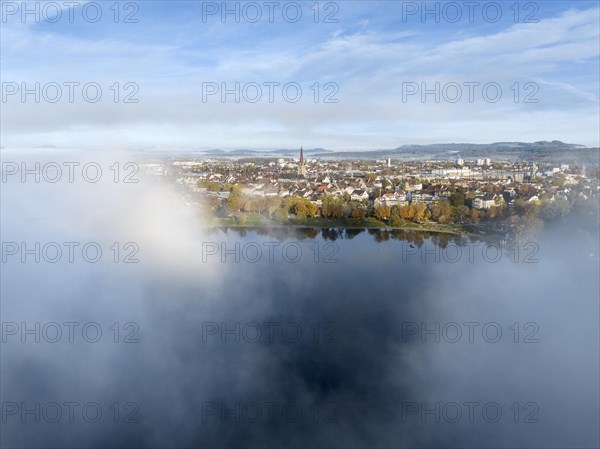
column 234, row 202
column 441, row 211
column 281, row 214
column 527, row 190
column 408, row 212
column 457, row 198
column 241, row 218
column 272, row 204
column 552, row 210
column 395, row 218
column 559, row 180
column 420, row 209
column 460, row 212
column 528, row 227
column 358, row 214
column 520, row 207
column 332, row 207
column 427, row 216
column 300, row 207
column 312, row 209
column 382, row 212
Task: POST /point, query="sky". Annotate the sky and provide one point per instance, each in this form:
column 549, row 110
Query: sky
column 358, row 75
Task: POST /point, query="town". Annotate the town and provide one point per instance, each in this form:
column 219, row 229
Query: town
column 481, row 196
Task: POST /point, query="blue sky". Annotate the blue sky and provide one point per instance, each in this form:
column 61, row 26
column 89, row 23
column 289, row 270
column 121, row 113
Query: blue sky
column 372, row 51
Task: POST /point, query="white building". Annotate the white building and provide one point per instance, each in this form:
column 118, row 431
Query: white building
column 412, row 187
column 483, row 203
column 359, row 195
column 391, row 199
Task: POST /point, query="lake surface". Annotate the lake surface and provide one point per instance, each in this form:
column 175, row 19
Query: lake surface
column 288, row 337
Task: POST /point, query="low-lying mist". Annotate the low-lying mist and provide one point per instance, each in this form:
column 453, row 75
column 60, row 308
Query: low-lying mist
column 349, row 343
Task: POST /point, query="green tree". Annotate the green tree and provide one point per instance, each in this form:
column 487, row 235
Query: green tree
column 459, row 213
column 553, row 210
column 281, row 214
column 395, row 218
column 235, row 200
column 457, row 198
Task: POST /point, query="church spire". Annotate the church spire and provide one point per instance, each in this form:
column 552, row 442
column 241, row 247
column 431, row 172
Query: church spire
column 302, row 165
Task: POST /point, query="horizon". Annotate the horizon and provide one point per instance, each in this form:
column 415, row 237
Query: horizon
column 275, row 149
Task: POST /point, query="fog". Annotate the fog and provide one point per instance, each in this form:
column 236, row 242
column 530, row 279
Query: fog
column 357, row 371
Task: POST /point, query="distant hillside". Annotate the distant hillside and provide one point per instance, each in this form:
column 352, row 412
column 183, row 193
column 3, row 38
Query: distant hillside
column 543, row 151
column 279, row 152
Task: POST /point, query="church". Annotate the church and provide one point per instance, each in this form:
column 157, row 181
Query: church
column 302, row 164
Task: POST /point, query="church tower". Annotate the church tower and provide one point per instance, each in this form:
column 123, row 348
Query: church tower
column 302, row 164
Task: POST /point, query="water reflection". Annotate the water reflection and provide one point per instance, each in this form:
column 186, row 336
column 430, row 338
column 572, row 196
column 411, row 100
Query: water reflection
column 416, row 237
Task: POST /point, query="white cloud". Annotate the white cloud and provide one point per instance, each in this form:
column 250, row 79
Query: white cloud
column 559, row 54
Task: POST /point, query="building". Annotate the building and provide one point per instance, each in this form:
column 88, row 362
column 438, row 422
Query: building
column 487, row 201
column 359, row 195
column 391, row 199
column 412, row 187
column 302, row 164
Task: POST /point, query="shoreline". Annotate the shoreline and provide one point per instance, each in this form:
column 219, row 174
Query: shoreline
column 345, row 226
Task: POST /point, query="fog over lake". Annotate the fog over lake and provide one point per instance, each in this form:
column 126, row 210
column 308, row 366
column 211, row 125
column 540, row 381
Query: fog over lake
column 311, row 338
